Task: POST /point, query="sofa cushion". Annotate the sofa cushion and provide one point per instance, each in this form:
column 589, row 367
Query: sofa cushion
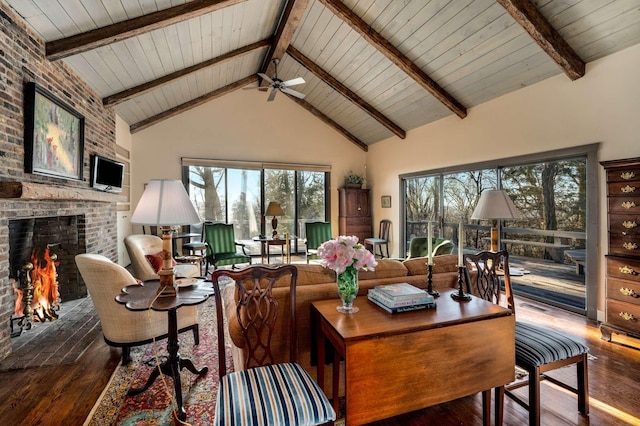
column 441, row 264
column 387, row 268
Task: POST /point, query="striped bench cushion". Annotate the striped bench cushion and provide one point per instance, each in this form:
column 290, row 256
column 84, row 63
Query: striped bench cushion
column 536, row 346
column 280, row 394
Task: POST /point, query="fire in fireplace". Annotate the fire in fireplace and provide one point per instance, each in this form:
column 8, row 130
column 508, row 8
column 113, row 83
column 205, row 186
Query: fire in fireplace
column 42, row 267
column 37, row 295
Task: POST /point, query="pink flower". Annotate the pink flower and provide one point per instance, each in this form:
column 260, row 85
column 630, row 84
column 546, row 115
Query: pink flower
column 345, row 252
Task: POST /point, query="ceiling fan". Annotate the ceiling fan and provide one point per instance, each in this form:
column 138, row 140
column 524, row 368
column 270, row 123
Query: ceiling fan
column 277, row 84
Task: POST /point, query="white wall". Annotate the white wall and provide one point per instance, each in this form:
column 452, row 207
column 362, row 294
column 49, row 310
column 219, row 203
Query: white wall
column 244, row 126
column 603, row 106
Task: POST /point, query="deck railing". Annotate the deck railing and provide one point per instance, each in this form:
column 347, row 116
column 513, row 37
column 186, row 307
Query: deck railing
column 537, row 243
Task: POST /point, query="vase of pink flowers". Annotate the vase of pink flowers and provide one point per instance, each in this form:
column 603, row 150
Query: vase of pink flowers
column 346, row 256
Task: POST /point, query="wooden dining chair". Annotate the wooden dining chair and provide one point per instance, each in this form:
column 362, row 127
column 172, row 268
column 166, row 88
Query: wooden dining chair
column 263, row 391
column 382, row 240
column 538, row 349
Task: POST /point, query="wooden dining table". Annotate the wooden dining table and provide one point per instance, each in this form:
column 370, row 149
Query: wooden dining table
column 397, row 363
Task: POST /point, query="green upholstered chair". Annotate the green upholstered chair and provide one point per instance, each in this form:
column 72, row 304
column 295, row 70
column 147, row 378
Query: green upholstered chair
column 222, row 248
column 418, row 247
column 316, row 233
column 442, row 246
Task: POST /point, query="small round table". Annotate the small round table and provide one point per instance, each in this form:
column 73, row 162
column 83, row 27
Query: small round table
column 139, row 297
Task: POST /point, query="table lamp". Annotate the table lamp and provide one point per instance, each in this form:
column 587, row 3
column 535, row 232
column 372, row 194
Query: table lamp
column 274, row 209
column 165, row 203
column 494, row 205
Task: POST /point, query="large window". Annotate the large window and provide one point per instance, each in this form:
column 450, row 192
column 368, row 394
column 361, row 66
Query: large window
column 239, row 192
column 550, row 190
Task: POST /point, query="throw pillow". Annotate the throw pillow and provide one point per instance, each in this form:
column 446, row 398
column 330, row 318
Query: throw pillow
column 155, row 260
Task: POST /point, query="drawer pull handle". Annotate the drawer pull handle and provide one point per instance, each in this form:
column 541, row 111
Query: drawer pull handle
column 627, row 175
column 628, row 204
column 627, row 189
column 630, row 246
column 628, row 292
column 629, row 224
column 627, row 316
column 626, row 270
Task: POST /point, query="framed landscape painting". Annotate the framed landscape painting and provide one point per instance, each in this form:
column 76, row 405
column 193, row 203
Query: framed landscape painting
column 54, row 135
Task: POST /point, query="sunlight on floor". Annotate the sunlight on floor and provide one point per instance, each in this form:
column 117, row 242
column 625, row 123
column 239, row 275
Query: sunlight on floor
column 599, row 405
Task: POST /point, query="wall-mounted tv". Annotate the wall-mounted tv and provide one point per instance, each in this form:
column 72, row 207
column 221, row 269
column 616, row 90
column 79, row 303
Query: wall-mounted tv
column 106, row 175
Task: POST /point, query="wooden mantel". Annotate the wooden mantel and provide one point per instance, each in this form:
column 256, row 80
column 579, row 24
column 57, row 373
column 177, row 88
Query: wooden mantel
column 46, row 192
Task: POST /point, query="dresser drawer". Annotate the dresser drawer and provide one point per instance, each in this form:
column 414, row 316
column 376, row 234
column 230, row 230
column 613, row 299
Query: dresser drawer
column 629, row 173
column 625, row 269
column 623, row 291
column 626, row 205
column 624, row 245
column 358, row 221
column 624, row 224
column 624, row 315
column 630, row 188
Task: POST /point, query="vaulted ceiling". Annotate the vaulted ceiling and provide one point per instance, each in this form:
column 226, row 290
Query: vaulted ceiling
column 374, row 69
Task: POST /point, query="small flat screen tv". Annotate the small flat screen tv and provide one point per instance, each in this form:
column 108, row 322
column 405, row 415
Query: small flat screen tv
column 106, row 175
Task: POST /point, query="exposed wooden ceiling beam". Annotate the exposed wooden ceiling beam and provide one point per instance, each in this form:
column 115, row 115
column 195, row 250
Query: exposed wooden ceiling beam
column 117, row 98
column 136, row 127
column 394, row 55
column 530, row 18
column 79, row 43
column 287, row 26
column 313, row 110
column 345, row 91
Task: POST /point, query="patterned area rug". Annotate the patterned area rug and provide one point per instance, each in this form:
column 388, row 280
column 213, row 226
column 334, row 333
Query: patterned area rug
column 155, row 405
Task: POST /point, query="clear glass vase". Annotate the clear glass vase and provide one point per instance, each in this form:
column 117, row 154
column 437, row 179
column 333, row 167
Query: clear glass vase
column 347, row 290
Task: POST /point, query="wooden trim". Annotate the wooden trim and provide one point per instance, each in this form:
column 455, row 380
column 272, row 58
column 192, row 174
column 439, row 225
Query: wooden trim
column 345, row 91
column 287, row 26
column 150, row 85
column 40, row 191
column 394, row 55
column 148, row 122
column 313, row 110
column 78, row 43
column 525, row 13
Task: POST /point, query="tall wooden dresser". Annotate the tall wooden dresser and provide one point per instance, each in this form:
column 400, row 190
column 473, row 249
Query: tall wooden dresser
column 623, row 260
column 354, row 215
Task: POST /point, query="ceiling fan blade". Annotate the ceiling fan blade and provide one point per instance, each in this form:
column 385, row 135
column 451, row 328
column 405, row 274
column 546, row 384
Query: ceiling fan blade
column 293, row 92
column 294, row 82
column 272, row 95
column 265, row 77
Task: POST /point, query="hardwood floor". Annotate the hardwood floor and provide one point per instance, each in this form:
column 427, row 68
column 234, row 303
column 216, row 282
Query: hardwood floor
column 64, row 395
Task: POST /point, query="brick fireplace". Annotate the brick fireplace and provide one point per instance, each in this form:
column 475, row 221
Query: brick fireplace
column 90, row 213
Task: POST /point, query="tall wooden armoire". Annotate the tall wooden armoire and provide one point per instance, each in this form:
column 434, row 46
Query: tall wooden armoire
column 355, row 213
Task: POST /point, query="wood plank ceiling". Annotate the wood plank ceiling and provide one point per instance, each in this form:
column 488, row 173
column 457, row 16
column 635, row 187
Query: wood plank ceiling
column 374, row 69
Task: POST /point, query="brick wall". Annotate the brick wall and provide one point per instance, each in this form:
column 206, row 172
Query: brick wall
column 22, row 60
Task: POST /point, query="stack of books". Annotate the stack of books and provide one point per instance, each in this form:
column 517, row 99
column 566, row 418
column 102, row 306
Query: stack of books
column 401, row 297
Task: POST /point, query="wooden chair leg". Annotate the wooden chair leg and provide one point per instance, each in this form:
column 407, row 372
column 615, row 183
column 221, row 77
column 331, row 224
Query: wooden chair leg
column 486, row 407
column 499, row 407
column 126, row 355
column 534, row 397
column 583, row 386
column 196, row 334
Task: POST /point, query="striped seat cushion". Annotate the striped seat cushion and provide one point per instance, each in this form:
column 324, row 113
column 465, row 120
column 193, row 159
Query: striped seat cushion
column 280, row 394
column 536, row 346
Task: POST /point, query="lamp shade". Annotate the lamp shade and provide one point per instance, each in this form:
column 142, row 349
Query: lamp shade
column 495, row 204
column 274, row 209
column 165, row 203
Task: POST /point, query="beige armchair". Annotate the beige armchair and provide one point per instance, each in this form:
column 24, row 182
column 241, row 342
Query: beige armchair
column 120, row 326
column 139, row 246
